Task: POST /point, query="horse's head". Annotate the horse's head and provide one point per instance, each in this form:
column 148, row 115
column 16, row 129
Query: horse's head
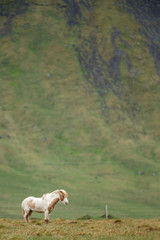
column 63, row 196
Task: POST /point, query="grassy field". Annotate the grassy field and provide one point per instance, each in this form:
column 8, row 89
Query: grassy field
column 80, row 229
column 79, row 109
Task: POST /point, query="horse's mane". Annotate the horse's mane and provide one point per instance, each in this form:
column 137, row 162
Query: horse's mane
column 44, row 196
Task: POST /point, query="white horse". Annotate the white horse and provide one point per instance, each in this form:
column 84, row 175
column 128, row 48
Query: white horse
column 45, row 204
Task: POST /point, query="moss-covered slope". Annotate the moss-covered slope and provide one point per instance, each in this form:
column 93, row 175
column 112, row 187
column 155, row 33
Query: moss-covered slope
column 80, row 106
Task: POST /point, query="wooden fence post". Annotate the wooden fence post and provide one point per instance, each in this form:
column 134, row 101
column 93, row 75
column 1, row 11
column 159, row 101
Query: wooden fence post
column 106, row 211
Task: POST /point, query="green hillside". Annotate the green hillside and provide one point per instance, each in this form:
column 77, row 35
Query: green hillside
column 80, row 106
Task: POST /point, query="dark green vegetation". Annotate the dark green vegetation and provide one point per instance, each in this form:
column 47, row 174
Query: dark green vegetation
column 80, row 229
column 79, row 106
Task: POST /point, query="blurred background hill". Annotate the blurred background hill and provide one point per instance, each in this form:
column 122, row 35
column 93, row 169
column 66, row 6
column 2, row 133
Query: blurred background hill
column 80, row 95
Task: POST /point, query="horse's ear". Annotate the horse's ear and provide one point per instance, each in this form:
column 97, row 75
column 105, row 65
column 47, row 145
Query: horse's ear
column 65, row 194
column 43, row 197
column 61, row 193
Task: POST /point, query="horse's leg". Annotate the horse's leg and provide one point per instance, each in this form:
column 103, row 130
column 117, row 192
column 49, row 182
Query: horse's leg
column 29, row 214
column 26, row 216
column 46, row 216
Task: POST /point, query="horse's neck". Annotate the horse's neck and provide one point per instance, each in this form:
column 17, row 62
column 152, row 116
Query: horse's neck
column 52, row 204
column 52, row 197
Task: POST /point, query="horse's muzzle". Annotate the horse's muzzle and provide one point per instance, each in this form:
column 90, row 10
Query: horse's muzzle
column 65, row 201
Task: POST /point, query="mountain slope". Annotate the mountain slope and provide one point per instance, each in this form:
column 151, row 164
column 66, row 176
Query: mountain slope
column 79, row 108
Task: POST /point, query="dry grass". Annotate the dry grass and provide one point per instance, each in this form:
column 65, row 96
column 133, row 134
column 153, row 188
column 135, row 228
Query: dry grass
column 53, row 130
column 80, row 229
